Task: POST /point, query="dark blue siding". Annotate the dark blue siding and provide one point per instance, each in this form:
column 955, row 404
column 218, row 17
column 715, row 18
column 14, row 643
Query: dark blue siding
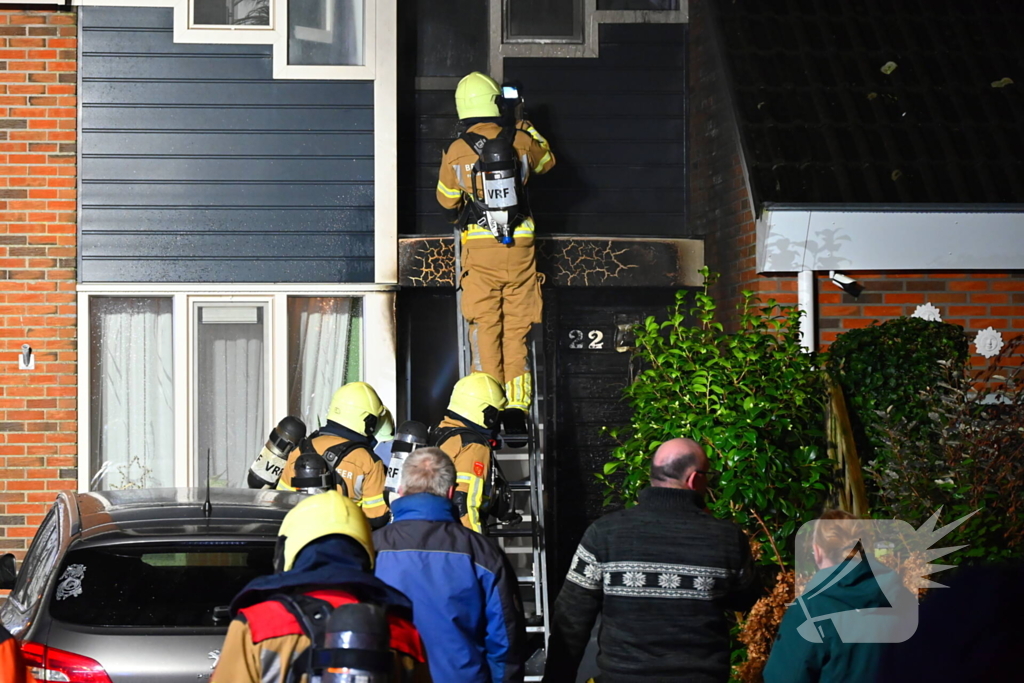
column 198, row 166
column 617, row 125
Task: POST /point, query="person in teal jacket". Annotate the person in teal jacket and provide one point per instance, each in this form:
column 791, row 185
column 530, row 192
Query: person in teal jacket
column 847, row 583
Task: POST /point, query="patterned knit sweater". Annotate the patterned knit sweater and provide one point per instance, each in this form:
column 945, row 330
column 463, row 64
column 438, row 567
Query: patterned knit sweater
column 662, row 576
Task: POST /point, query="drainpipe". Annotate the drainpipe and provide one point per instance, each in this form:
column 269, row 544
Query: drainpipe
column 805, row 300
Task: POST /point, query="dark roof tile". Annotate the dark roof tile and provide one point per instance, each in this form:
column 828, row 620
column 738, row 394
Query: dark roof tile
column 823, row 123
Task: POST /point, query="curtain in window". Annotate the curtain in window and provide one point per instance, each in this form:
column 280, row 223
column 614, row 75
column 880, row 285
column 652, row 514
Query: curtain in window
column 131, row 392
column 323, row 353
column 231, row 395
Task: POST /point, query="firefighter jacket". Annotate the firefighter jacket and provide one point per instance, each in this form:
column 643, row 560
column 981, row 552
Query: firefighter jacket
column 12, row 666
column 455, row 178
column 361, row 472
column 472, row 467
column 465, row 594
column 265, row 640
column 662, row 575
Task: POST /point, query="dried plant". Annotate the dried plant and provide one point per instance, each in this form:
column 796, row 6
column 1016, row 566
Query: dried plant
column 757, row 632
column 967, row 455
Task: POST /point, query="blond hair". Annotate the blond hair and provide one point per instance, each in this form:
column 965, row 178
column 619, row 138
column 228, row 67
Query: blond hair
column 837, row 533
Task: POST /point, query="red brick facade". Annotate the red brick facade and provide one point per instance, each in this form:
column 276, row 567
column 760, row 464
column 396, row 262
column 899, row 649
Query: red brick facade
column 38, row 113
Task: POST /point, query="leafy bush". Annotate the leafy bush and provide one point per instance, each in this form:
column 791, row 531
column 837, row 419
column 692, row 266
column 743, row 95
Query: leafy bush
column 889, row 367
column 753, row 399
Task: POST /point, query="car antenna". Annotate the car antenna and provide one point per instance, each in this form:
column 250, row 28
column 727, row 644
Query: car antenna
column 207, row 506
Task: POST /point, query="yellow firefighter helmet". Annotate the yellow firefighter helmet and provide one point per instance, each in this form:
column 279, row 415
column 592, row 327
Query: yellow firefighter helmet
column 478, row 398
column 476, row 96
column 357, row 407
column 320, row 515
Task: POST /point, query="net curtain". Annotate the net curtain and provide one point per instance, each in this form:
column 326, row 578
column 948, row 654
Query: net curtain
column 322, row 334
column 132, row 392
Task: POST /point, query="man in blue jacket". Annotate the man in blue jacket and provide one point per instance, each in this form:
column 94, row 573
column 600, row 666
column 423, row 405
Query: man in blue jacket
column 464, row 592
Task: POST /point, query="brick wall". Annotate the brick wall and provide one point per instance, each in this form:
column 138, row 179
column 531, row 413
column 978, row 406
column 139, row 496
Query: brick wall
column 38, row 456
column 720, row 202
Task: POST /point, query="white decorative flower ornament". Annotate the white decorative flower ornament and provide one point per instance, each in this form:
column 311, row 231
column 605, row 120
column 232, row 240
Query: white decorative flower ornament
column 988, row 342
column 704, row 583
column 669, row 580
column 928, row 312
column 634, row 579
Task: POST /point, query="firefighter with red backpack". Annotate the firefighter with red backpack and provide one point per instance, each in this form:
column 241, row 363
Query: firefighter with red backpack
column 323, row 615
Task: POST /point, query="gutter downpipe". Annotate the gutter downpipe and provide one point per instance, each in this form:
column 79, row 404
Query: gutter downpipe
column 805, row 301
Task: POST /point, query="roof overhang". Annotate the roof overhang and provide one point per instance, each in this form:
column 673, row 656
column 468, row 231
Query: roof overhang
column 795, row 238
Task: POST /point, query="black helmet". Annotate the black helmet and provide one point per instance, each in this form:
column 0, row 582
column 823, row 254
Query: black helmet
column 312, row 474
column 411, row 435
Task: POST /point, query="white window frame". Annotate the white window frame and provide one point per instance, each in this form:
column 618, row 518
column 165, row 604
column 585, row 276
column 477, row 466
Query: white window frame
column 319, row 34
column 377, row 353
column 193, row 26
column 380, row 20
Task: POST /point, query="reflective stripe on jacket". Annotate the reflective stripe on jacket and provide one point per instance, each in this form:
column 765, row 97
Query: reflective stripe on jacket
column 455, row 175
column 361, row 470
column 472, row 467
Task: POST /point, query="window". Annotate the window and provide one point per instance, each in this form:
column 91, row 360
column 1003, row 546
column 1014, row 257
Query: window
column 184, row 585
column 230, row 379
column 554, row 21
column 326, row 32
column 174, row 377
column 33, row 574
column 131, row 372
column 233, row 13
column 323, row 353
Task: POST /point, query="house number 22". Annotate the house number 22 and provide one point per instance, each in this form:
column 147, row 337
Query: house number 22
column 576, row 339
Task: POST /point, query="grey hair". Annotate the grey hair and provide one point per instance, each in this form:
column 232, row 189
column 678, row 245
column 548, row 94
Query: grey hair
column 428, row 470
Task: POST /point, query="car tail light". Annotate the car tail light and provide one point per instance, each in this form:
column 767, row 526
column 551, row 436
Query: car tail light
column 51, row 664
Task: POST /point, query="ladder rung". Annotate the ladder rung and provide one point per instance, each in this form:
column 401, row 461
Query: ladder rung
column 535, row 629
column 523, row 485
column 533, row 679
column 510, row 533
column 526, row 580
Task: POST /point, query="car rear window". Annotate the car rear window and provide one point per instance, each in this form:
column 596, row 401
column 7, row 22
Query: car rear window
column 176, row 585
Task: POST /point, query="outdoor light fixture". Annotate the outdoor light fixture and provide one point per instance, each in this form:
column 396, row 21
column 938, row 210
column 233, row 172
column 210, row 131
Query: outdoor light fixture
column 846, row 283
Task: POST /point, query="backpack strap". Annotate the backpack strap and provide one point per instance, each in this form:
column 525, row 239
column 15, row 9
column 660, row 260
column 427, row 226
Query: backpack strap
column 312, row 615
column 475, row 141
column 335, row 454
column 442, row 434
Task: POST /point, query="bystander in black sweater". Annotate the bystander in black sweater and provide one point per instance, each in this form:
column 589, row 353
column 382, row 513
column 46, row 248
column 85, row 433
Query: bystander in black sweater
column 662, row 575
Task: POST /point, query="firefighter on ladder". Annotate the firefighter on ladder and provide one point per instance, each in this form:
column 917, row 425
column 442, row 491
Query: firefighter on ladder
column 480, row 187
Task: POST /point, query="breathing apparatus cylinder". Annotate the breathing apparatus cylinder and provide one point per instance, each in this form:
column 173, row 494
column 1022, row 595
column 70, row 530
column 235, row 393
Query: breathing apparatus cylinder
column 357, row 645
column 269, row 464
column 411, row 435
column 499, row 175
column 312, row 474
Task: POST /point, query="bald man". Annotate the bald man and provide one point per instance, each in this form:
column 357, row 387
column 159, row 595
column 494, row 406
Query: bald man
column 662, row 575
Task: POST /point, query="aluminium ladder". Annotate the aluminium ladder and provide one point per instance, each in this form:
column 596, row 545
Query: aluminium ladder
column 524, row 542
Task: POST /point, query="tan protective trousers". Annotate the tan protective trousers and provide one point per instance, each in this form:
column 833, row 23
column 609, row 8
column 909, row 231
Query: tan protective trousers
column 501, row 300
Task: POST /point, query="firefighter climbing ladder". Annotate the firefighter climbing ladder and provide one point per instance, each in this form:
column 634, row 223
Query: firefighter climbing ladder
column 524, row 542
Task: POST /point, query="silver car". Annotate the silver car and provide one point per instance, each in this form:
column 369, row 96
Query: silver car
column 135, row 585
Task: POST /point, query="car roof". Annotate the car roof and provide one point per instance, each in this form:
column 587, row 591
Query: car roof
column 178, row 512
